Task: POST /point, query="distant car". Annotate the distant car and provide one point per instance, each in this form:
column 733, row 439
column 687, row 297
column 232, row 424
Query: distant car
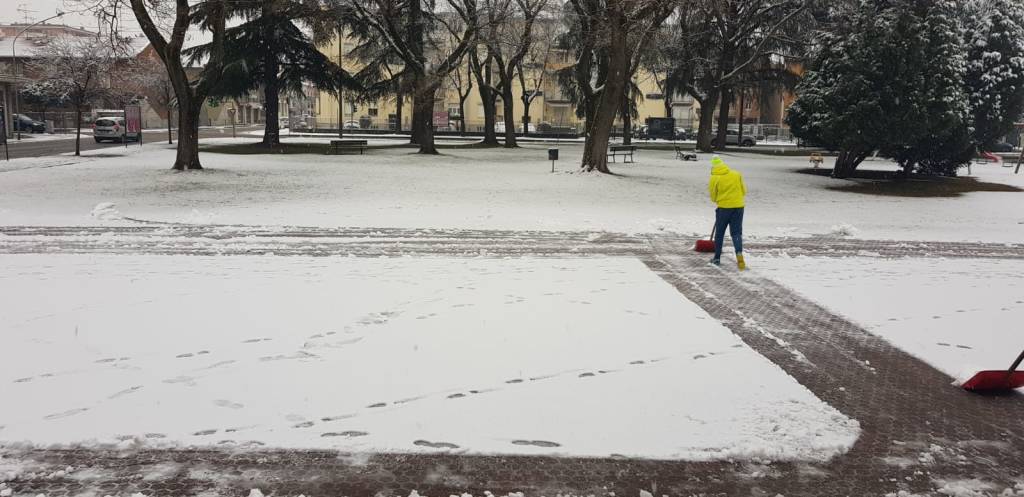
column 112, row 129
column 25, row 123
column 1001, row 147
column 732, row 137
column 352, row 125
column 299, row 126
column 499, row 127
column 685, row 134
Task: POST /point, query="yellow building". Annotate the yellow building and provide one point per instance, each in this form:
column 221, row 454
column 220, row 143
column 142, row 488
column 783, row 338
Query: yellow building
column 549, row 110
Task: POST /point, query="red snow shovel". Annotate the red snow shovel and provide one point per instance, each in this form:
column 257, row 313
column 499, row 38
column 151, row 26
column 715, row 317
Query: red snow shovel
column 999, row 380
column 706, row 245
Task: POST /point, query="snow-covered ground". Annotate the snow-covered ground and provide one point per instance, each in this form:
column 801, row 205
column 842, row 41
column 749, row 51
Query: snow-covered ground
column 583, row 357
column 489, row 189
column 960, row 316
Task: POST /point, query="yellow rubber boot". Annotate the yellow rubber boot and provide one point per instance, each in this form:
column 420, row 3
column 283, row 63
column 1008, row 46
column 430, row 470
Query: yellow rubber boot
column 740, row 263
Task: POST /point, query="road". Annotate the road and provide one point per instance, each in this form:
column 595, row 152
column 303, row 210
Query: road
column 33, row 148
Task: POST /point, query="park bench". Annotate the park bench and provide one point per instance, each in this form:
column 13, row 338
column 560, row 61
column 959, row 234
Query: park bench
column 816, row 159
column 337, row 146
column 626, row 151
column 685, row 154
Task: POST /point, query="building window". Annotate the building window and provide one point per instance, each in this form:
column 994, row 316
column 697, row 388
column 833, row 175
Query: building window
column 654, row 96
column 372, row 112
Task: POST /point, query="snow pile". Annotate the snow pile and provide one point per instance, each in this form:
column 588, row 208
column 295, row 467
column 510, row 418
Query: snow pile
column 423, row 355
column 959, row 315
column 965, row 488
column 843, row 230
column 106, row 211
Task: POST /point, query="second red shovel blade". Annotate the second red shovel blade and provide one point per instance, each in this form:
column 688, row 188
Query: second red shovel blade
column 704, row 246
column 995, row 380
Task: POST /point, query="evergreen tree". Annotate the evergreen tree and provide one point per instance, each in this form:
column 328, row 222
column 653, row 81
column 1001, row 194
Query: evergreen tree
column 269, row 52
column 995, row 67
column 891, row 81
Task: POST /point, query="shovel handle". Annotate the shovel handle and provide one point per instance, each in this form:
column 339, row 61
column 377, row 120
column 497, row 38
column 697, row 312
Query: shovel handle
column 1013, row 367
column 712, row 238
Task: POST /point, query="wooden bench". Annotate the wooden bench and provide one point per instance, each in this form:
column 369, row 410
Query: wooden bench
column 626, row 151
column 685, row 154
column 337, row 146
column 816, row 159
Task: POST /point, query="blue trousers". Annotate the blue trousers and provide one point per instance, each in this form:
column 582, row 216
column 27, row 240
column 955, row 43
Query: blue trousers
column 733, row 218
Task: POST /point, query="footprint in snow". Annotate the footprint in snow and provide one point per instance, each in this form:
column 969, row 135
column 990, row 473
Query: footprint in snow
column 379, row 404
column 435, row 445
column 107, row 360
column 944, row 344
column 699, row 356
column 586, row 375
column 638, row 362
column 964, row 347
column 182, row 356
column 328, row 419
column 69, row 412
column 23, row 380
column 517, row 380
column 125, row 392
column 228, row 404
column 347, row 434
column 304, row 424
column 456, row 396
column 536, row 443
column 154, row 435
column 203, row 433
column 252, row 340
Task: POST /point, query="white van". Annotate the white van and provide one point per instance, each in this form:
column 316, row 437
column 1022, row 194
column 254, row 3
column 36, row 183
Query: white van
column 112, row 129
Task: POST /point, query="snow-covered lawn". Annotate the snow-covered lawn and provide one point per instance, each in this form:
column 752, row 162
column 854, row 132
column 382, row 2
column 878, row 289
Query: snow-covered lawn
column 583, row 357
column 488, row 189
column 960, row 316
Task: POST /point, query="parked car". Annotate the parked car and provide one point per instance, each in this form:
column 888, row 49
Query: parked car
column 499, row 127
column 732, row 137
column 685, row 134
column 1001, row 147
column 112, row 129
column 352, row 125
column 25, row 123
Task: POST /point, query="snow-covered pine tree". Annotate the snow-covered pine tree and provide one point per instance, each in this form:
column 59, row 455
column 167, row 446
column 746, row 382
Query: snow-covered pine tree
column 889, row 79
column 994, row 34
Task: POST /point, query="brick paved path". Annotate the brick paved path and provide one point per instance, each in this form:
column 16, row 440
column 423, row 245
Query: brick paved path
column 918, row 430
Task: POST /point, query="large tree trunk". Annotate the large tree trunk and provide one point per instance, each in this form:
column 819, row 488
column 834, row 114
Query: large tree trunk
column 271, row 98
column 78, row 131
column 399, row 104
column 847, row 162
column 188, row 136
column 423, row 114
column 462, row 114
column 627, row 118
column 599, row 128
column 723, row 118
column 508, row 104
column 490, row 105
column 707, row 119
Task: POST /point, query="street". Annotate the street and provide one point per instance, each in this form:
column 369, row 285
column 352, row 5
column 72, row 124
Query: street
column 33, row 147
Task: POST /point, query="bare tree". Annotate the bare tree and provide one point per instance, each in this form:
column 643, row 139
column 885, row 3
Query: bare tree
column 609, row 34
column 463, row 84
column 508, row 40
column 165, row 24
column 416, row 33
column 156, row 86
column 78, row 69
column 534, row 66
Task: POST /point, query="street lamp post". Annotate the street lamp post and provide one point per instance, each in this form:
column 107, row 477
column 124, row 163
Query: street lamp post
column 14, row 60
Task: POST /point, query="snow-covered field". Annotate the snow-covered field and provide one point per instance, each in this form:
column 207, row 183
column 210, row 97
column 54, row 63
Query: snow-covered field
column 960, row 316
column 488, row 189
column 583, row 357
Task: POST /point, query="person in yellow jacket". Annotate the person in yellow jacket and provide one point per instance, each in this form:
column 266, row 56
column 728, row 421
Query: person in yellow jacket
column 727, row 192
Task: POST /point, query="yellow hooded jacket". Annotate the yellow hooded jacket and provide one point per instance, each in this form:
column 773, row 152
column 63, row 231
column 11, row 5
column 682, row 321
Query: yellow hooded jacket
column 726, row 186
